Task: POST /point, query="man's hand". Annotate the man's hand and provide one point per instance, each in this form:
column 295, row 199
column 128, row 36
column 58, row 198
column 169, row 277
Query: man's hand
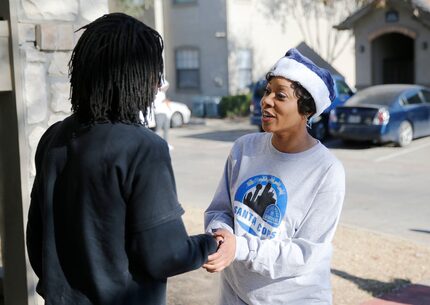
column 225, row 253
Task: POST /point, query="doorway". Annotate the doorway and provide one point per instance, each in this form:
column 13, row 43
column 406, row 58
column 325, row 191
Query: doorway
column 393, row 59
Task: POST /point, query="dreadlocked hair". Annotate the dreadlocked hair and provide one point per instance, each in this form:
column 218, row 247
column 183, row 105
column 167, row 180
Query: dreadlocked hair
column 115, row 69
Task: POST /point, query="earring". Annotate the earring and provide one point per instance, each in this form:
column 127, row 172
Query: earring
column 308, row 123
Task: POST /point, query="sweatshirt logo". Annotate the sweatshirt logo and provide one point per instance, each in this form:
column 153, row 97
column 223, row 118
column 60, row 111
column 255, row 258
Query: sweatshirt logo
column 260, row 204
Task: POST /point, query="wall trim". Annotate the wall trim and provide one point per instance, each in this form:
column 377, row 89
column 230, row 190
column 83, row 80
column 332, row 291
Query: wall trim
column 392, row 29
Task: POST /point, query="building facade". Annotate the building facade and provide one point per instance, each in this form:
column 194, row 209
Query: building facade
column 195, row 35
column 392, row 42
column 219, row 47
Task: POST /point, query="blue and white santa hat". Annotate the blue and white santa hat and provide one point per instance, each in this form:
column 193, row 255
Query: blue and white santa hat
column 317, row 81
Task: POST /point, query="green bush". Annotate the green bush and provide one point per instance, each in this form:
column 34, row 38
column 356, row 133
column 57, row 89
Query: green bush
column 234, row 105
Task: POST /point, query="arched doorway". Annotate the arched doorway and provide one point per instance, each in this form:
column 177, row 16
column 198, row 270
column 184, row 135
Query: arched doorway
column 393, row 59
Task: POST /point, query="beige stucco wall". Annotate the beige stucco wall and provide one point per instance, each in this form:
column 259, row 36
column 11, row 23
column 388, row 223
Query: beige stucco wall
column 373, row 24
column 245, row 26
column 250, row 27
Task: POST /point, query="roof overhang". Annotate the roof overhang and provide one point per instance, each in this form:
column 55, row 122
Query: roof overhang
column 420, row 10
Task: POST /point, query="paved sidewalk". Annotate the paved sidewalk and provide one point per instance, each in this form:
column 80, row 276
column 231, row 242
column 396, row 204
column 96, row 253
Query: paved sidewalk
column 415, row 294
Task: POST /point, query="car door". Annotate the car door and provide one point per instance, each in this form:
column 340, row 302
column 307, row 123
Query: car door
column 416, row 112
column 425, row 94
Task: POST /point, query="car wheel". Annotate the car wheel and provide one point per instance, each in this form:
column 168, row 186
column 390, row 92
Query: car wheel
column 176, row 120
column 405, row 134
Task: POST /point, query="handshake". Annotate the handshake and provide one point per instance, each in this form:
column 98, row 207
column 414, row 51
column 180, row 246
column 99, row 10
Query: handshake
column 225, row 253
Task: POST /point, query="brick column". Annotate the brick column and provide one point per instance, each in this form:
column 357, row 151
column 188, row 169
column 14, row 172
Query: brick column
column 42, row 36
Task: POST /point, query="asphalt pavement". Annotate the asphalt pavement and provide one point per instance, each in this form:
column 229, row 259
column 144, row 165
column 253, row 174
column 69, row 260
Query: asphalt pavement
column 388, row 188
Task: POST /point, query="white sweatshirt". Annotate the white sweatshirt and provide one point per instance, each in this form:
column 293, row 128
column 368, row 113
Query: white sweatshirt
column 283, row 209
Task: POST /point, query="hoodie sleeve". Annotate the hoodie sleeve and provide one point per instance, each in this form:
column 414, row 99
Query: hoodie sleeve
column 311, row 243
column 166, row 250
column 34, row 230
column 157, row 242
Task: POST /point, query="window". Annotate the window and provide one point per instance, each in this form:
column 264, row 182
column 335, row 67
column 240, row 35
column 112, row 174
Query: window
column 392, row 16
column 187, row 68
column 413, row 99
column 343, row 88
column 244, row 68
column 426, row 95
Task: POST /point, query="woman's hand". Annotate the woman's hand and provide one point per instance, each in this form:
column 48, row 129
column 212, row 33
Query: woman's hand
column 225, row 254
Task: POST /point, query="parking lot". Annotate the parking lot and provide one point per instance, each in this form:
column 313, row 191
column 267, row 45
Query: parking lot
column 388, row 188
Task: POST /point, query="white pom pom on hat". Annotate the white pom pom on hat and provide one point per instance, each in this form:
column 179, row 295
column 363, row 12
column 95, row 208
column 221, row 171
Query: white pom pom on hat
column 317, row 81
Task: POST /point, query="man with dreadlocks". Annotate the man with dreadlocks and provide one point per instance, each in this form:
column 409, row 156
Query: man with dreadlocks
column 104, row 225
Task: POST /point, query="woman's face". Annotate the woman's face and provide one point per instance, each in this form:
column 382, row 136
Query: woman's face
column 279, row 108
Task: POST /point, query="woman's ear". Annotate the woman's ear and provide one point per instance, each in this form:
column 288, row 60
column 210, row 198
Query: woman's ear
column 310, row 114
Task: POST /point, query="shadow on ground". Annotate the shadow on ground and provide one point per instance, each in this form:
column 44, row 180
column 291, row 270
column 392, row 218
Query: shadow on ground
column 413, row 295
column 341, row 144
column 374, row 287
column 420, row 231
column 232, row 135
column 224, row 135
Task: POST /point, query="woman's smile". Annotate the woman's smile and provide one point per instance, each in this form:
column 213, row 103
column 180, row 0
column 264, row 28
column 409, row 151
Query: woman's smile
column 267, row 116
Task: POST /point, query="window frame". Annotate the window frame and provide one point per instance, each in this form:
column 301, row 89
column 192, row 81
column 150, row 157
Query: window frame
column 247, row 69
column 424, row 96
column 197, row 70
column 406, row 97
column 184, row 2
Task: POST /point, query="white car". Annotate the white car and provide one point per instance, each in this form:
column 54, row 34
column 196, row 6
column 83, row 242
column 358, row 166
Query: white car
column 179, row 115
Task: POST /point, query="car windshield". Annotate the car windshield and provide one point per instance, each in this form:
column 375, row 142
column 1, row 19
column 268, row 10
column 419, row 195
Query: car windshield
column 374, row 96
